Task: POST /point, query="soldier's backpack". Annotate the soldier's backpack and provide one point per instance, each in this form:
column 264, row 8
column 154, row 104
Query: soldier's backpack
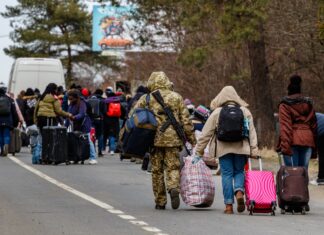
column 140, row 130
column 5, row 105
column 230, row 124
column 95, row 106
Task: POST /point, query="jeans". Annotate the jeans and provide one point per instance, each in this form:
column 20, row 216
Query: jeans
column 92, row 148
column 301, row 156
column 4, row 136
column 36, row 148
column 100, row 144
column 112, row 143
column 232, row 170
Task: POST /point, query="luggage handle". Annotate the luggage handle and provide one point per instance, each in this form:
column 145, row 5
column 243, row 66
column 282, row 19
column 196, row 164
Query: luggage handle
column 281, row 156
column 48, row 121
column 250, row 162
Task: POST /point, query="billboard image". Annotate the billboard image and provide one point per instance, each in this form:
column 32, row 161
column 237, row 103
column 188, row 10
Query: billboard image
column 110, row 28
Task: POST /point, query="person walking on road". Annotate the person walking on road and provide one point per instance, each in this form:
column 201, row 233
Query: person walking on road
column 8, row 120
column 298, row 126
column 81, row 121
column 231, row 153
column 167, row 144
column 320, row 144
column 111, row 120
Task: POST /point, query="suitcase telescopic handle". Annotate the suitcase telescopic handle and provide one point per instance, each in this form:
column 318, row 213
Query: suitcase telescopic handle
column 250, row 162
column 281, row 157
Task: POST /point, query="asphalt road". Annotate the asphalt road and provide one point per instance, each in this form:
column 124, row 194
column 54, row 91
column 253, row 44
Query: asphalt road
column 116, row 197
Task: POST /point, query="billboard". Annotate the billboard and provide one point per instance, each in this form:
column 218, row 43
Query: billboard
column 110, row 29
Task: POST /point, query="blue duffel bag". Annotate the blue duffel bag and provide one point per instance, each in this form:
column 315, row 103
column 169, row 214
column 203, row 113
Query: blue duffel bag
column 140, row 130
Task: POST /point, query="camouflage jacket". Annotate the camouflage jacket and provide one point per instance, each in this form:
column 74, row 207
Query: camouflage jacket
column 168, row 138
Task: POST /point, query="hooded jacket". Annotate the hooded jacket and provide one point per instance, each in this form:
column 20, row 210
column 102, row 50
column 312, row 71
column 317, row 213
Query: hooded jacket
column 49, row 107
column 218, row 148
column 298, row 125
column 168, row 138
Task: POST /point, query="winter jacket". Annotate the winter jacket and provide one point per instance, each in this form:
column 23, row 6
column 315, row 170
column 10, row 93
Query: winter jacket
column 320, row 124
column 82, row 121
column 219, row 148
column 29, row 109
column 10, row 120
column 111, row 124
column 49, row 107
column 298, row 124
column 168, row 138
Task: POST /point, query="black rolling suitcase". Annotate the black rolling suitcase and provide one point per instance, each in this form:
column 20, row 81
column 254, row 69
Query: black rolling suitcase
column 15, row 141
column 79, row 147
column 54, row 146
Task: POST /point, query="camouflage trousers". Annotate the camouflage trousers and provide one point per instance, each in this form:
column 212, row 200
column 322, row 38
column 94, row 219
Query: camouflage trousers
column 165, row 160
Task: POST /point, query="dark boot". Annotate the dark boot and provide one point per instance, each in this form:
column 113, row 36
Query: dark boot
column 5, row 150
column 175, row 199
column 240, row 201
column 159, row 207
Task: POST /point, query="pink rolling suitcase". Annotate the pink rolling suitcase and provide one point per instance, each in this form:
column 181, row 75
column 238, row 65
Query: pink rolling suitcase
column 260, row 190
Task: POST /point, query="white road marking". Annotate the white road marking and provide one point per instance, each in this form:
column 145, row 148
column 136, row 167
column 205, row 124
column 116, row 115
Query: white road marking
column 90, row 199
column 140, row 223
column 127, row 217
column 151, row 229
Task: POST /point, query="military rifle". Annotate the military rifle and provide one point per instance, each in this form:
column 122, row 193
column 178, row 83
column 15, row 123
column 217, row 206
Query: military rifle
column 171, row 120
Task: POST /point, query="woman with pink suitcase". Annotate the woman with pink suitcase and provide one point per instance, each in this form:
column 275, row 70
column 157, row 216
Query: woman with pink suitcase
column 231, row 135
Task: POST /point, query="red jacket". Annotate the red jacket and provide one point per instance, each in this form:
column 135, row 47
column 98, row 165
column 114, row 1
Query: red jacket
column 298, row 123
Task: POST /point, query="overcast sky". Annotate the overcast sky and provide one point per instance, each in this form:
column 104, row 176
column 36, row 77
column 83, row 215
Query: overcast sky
column 5, row 61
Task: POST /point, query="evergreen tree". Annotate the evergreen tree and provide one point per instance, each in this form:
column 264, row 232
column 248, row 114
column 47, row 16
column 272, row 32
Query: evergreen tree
column 52, row 28
column 203, row 27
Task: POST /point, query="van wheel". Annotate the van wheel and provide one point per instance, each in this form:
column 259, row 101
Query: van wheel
column 103, row 46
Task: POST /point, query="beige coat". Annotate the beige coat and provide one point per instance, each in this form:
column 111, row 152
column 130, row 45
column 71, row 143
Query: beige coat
column 219, row 148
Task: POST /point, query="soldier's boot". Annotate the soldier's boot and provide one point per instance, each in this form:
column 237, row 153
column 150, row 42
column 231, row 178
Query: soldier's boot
column 159, row 207
column 175, row 199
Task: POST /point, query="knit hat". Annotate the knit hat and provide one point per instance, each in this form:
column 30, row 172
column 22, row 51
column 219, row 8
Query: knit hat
column 85, row 92
column 294, row 86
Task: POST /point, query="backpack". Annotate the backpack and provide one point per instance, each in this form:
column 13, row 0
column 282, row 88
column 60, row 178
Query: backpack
column 114, row 110
column 95, row 106
column 230, row 124
column 140, row 130
column 5, row 105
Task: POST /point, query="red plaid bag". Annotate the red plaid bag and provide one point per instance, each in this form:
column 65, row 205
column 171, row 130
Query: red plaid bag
column 197, row 184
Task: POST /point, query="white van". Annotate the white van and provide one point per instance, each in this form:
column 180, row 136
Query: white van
column 35, row 73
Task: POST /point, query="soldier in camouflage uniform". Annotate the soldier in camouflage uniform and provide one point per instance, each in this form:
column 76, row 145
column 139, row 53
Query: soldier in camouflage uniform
column 167, row 144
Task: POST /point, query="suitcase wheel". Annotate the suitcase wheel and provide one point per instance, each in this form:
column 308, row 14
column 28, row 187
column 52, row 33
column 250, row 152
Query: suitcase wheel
column 303, row 212
column 273, row 206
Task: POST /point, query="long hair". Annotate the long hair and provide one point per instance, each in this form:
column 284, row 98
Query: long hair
column 75, row 94
column 50, row 89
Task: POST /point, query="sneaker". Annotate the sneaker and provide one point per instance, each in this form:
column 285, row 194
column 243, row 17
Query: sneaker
column 313, row 182
column 175, row 200
column 100, row 154
column 93, row 162
column 111, row 152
